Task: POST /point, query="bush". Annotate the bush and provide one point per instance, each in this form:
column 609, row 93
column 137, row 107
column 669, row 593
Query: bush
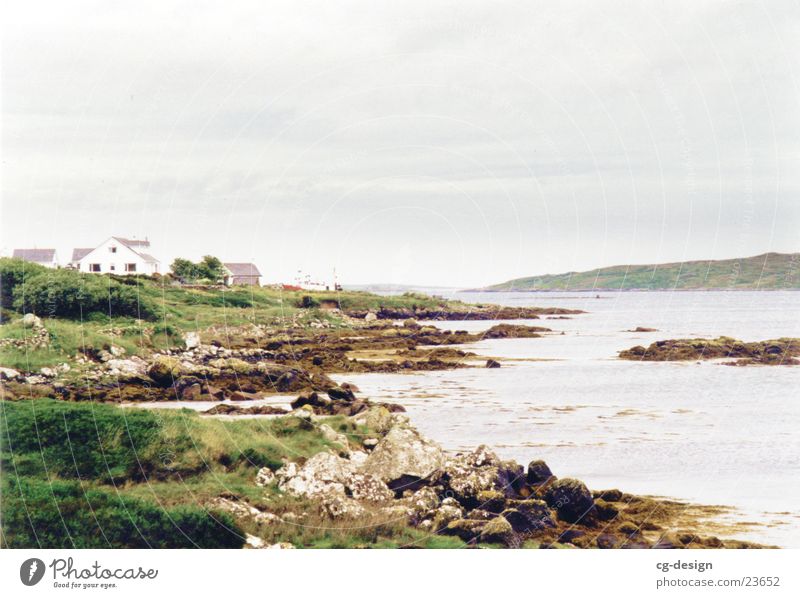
column 70, row 294
column 64, row 514
column 13, row 273
column 307, row 302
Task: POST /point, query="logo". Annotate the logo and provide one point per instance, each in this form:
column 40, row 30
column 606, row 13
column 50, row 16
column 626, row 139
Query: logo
column 31, row 572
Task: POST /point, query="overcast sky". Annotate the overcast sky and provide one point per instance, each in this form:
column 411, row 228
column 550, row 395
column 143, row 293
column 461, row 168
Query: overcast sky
column 440, row 143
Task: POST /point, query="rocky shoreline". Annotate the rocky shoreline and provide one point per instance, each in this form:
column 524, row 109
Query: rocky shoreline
column 248, row 363
column 393, row 474
column 400, row 476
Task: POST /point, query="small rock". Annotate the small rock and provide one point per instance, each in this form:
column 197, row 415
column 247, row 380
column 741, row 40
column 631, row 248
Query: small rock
column 538, row 473
column 8, row 374
column 191, row 340
column 497, row 530
column 332, row 435
column 264, row 477
column 492, row 363
column 253, row 541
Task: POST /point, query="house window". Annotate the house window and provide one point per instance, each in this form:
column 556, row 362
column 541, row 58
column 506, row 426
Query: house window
column 94, row 267
column 130, row 267
column 112, row 267
column 112, row 249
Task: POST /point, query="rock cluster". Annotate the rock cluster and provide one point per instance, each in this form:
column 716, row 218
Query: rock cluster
column 475, row 496
column 782, row 351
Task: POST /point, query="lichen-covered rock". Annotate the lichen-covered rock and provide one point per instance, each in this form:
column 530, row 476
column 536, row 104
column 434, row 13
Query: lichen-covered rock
column 612, row 495
column 497, row 530
column 445, row 514
column 264, row 477
column 491, row 500
column 470, row 474
column 337, row 506
column 365, row 486
column 605, row 510
column 571, row 499
column 423, row 502
column 165, row 370
column 529, row 516
column 466, row 529
column 232, row 365
column 324, row 474
column 402, row 455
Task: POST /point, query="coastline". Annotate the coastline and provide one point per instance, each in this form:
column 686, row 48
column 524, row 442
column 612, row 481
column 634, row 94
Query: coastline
column 324, row 398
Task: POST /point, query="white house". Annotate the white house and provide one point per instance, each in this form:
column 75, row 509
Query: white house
column 43, row 257
column 116, row 255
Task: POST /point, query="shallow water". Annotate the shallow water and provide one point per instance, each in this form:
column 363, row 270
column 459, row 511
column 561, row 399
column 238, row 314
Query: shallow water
column 703, row 432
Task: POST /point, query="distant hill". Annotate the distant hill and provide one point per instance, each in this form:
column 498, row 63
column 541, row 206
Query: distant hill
column 766, row 271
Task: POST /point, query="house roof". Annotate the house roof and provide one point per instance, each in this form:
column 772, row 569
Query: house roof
column 81, row 252
column 41, row 256
column 134, row 245
column 133, row 242
column 242, row 269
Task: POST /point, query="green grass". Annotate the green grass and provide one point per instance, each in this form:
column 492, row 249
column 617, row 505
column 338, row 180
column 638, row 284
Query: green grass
column 767, row 271
column 93, row 475
column 68, row 338
column 176, row 310
column 67, row 514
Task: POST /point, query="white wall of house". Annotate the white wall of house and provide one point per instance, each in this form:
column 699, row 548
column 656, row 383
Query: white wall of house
column 113, row 257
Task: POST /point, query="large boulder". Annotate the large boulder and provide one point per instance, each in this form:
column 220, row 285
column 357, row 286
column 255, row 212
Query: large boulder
column 571, row 499
column 328, row 475
column 323, row 474
column 470, row 475
column 31, row 321
column 402, row 457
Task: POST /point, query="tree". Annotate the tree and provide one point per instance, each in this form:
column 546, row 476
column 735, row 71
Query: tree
column 211, row 268
column 184, row 269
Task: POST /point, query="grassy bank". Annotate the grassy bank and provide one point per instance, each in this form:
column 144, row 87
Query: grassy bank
column 91, row 475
